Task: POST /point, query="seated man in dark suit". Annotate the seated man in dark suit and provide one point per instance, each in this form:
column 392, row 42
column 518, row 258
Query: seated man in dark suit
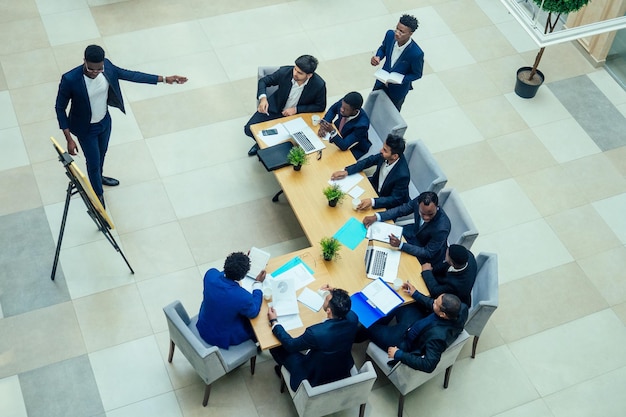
column 300, row 90
column 455, row 276
column 391, row 178
column 227, row 307
column 329, row 357
column 424, row 330
column 349, row 130
column 427, row 238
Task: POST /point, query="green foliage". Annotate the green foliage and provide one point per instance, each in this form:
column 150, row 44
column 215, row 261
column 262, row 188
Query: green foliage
column 561, row 6
column 330, row 248
column 297, row 156
column 333, row 192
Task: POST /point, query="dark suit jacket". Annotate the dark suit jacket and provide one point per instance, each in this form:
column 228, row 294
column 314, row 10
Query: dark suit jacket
column 353, row 132
column 225, row 311
column 72, row 88
column 395, row 189
column 425, row 351
column 410, row 63
column 313, row 98
column 428, row 242
column 330, row 344
column 440, row 280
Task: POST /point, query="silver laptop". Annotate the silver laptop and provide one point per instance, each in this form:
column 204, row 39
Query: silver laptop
column 381, row 262
column 304, row 135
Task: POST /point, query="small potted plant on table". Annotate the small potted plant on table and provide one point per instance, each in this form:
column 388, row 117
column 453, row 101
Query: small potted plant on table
column 297, row 157
column 330, row 248
column 333, row 194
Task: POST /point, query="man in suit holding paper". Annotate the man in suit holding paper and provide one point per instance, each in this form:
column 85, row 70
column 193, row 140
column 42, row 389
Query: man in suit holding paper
column 226, row 308
column 300, row 90
column 427, row 237
column 402, row 55
column 424, row 330
column 349, row 130
column 391, row 178
column 329, row 343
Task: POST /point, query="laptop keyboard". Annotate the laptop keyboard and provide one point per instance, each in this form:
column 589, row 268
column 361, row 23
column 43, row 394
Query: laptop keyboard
column 303, row 141
column 378, row 264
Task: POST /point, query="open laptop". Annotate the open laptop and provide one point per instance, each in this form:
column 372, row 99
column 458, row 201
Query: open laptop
column 381, row 262
column 303, row 135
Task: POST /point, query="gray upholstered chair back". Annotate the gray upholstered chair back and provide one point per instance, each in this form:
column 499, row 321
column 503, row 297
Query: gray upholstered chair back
column 262, row 72
column 384, row 119
column 463, row 231
column 405, row 378
column 328, row 398
column 426, row 174
column 484, row 296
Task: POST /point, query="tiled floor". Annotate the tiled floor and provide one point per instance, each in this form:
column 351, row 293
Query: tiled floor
column 544, row 180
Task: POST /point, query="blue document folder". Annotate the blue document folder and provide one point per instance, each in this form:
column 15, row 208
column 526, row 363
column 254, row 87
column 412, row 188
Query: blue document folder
column 375, row 301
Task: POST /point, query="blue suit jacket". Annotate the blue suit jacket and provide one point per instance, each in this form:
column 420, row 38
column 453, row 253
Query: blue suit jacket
column 354, row 131
column 440, row 280
column 410, row 64
column 427, row 242
column 395, row 189
column 330, row 344
column 313, row 98
column 72, row 88
column 225, row 310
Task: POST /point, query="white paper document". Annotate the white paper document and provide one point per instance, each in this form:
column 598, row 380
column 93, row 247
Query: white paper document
column 284, row 295
column 389, row 77
column 380, row 231
column 381, row 296
column 271, row 140
column 290, row 322
column 258, row 261
column 356, row 192
column 348, row 182
column 300, row 275
column 311, row 299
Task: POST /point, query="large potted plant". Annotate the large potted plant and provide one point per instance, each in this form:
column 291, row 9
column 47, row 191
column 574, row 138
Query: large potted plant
column 529, row 79
column 333, row 194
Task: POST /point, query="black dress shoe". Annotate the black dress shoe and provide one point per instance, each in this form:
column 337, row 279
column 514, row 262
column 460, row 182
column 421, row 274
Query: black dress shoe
column 277, row 371
column 111, row 182
column 253, row 150
column 101, row 198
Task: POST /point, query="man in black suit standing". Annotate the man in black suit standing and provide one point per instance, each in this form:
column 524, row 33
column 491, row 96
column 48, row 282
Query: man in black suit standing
column 455, row 276
column 300, row 90
column 391, row 178
column 329, row 343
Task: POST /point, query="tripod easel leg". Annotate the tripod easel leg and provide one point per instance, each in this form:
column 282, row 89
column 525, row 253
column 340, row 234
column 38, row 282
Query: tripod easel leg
column 68, row 195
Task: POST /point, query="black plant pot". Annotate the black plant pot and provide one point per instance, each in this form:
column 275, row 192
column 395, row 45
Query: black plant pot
column 333, row 203
column 297, row 167
column 525, row 88
column 328, row 257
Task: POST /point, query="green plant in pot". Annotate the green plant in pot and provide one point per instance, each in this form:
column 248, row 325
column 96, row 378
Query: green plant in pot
column 529, row 79
column 334, row 194
column 330, row 248
column 297, row 157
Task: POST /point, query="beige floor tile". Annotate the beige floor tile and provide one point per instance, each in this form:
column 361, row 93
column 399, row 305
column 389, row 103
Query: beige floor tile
column 112, row 317
column 462, row 16
column 19, row 11
column 596, row 177
column 202, row 8
column 18, row 190
column 537, row 408
column 351, row 72
column 175, row 112
column 560, row 358
column 30, row 68
column 36, row 138
column 415, row 105
column 34, row 103
column 494, row 116
column 141, row 364
column 477, row 159
column 446, row 129
column 598, row 396
column 618, row 158
column 499, row 206
column 131, row 163
column 446, row 52
column 25, row 34
column 7, row 114
column 71, row 26
column 184, row 285
column 566, row 140
column 542, row 109
column 620, row 311
column 489, row 338
column 52, row 180
column 164, row 405
column 486, row 43
column 562, row 61
column 527, row 305
column 467, row 86
column 551, row 190
column 12, row 399
column 38, row 338
column 124, row 126
column 180, row 371
column 517, row 36
column 524, row 249
column 157, row 250
column 612, row 211
column 583, row 231
column 61, row 6
column 605, row 270
column 502, row 71
column 266, row 396
column 521, row 152
column 14, row 152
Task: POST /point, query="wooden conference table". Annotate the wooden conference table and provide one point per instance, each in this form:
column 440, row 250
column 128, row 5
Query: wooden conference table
column 303, row 190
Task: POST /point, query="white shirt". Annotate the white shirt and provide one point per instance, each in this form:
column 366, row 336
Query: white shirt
column 397, row 51
column 384, row 171
column 294, row 93
column 98, row 91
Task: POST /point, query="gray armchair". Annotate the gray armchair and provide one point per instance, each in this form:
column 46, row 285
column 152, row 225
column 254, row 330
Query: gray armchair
column 210, row 362
column 463, row 231
column 405, row 378
column 335, row 396
column 484, row 296
column 426, row 174
column 262, row 72
column 384, row 119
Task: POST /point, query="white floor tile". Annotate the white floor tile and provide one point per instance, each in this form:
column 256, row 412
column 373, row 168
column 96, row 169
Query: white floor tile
column 13, row 153
column 7, row 114
column 543, row 108
column 12, row 403
column 71, row 26
column 566, row 140
column 445, row 52
column 446, row 129
column 612, row 210
column 164, row 405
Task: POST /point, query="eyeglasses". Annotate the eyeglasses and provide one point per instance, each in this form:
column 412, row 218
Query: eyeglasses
column 94, row 70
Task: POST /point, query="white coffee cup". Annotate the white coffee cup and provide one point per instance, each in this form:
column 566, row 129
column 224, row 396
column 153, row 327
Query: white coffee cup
column 355, row 203
column 323, row 293
column 315, row 119
column 267, row 293
column 397, row 284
